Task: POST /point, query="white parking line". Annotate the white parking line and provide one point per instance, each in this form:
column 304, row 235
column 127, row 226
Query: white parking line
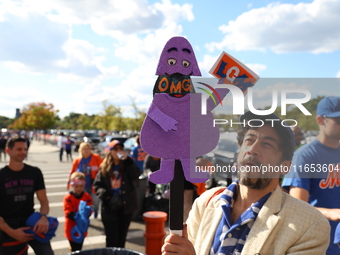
column 56, row 175
column 55, row 171
column 58, row 204
column 56, row 180
column 55, row 194
column 51, row 186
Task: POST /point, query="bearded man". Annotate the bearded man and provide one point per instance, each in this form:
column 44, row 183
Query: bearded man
column 253, row 215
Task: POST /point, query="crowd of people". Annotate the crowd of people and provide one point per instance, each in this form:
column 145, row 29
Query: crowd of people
column 272, row 212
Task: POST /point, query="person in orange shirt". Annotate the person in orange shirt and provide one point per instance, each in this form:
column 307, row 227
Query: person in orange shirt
column 71, row 204
column 89, row 164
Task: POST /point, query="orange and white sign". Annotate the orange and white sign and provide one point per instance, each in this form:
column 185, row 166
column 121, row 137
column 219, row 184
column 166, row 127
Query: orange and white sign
column 231, row 71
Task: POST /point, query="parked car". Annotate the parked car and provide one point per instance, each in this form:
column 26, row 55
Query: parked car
column 108, row 138
column 223, row 158
column 129, row 144
column 93, row 139
column 78, row 139
column 90, row 138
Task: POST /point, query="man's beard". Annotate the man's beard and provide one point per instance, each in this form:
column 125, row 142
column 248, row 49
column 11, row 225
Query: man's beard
column 259, row 183
column 256, row 182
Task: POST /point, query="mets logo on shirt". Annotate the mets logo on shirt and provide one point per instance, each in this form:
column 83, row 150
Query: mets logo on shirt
column 333, row 178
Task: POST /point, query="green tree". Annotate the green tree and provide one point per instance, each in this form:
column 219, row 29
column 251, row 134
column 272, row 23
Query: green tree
column 70, row 121
column 5, row 122
column 305, row 122
column 110, row 118
column 37, row 116
column 86, row 122
column 308, row 122
column 118, row 123
column 139, row 116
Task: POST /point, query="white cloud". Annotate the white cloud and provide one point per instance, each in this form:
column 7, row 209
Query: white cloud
column 137, row 86
column 338, row 74
column 39, row 33
column 257, row 68
column 209, row 61
column 18, row 67
column 107, row 17
column 311, row 27
column 83, row 60
column 206, row 64
column 32, row 40
column 175, row 12
column 147, row 49
column 40, row 39
column 37, row 45
column 18, row 97
column 127, row 17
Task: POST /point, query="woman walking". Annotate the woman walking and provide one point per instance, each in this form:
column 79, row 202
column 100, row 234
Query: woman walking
column 115, row 185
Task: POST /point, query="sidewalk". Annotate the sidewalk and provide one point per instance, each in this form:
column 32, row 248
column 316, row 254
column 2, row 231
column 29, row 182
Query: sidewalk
column 40, row 147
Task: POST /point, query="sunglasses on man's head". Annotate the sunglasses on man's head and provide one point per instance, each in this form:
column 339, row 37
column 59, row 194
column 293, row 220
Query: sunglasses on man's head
column 336, row 119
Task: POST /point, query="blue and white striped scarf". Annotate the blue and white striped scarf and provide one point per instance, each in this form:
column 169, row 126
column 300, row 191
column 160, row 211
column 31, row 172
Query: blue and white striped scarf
column 230, row 239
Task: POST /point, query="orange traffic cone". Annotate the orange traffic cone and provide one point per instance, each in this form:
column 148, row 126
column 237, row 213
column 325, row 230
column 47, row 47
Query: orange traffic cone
column 154, row 232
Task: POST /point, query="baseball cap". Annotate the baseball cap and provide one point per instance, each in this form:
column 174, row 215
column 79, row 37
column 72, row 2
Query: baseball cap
column 329, row 107
column 283, row 128
column 113, row 143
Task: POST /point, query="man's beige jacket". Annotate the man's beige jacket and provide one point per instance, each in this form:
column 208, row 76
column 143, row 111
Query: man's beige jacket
column 285, row 225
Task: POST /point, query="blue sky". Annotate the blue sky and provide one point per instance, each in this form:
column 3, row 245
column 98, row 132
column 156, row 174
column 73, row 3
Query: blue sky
column 75, row 54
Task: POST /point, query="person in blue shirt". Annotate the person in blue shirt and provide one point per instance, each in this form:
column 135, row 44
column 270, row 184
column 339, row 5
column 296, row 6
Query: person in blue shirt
column 138, row 154
column 68, row 148
column 315, row 171
column 253, row 215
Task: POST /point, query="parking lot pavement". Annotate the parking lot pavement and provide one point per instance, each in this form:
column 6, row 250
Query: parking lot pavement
column 46, row 157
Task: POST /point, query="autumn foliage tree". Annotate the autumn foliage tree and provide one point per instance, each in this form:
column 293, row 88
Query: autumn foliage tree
column 37, row 116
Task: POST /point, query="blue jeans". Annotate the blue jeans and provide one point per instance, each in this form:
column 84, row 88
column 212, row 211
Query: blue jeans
column 61, row 152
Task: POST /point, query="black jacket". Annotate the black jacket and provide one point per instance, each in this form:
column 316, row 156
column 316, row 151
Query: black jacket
column 130, row 175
